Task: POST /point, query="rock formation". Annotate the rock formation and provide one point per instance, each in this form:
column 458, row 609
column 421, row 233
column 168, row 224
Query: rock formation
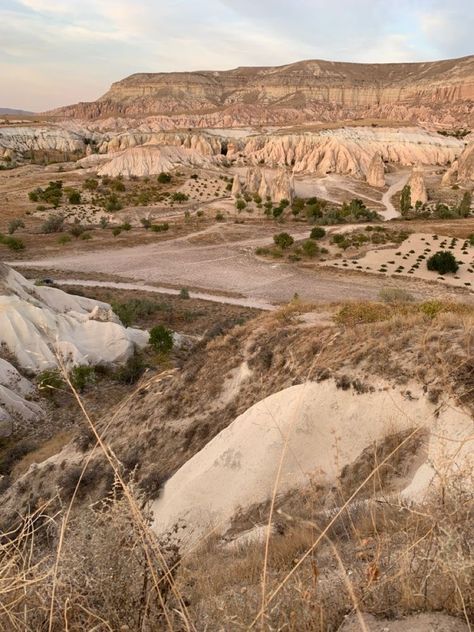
column 253, row 179
column 376, row 171
column 323, row 90
column 418, row 187
column 151, row 160
column 40, row 324
column 207, row 490
column 451, row 175
column 236, row 186
column 282, row 187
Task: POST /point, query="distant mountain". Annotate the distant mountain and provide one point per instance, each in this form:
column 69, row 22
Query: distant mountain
column 13, row 112
column 304, row 91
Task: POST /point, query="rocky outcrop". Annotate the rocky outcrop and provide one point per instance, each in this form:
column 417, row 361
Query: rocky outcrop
column 349, row 150
column 253, row 179
column 282, row 187
column 151, row 160
column 236, row 186
column 44, row 138
column 376, row 172
column 38, row 325
column 307, row 90
column 451, row 175
column 300, row 422
column 418, row 187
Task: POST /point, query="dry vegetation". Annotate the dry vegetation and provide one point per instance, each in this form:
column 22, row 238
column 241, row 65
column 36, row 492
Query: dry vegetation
column 83, row 556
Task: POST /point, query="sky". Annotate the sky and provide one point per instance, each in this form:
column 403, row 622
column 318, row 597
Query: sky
column 57, row 52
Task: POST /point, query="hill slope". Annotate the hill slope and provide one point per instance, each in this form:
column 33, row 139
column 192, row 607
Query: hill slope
column 326, row 89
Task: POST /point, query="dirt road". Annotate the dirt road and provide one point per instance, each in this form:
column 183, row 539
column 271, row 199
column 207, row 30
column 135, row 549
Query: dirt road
column 229, row 267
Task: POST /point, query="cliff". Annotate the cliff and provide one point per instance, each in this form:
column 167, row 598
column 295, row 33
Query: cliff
column 307, row 89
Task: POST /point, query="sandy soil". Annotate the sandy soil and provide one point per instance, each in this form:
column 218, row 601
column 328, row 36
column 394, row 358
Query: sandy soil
column 409, row 259
column 227, row 266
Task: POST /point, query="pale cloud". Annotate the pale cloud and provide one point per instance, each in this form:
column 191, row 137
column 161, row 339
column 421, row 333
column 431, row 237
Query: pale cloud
column 54, row 52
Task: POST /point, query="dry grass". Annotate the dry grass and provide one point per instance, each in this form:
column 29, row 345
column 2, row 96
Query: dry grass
column 98, row 566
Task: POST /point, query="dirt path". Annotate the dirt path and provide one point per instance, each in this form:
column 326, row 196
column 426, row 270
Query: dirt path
column 398, row 185
column 226, row 267
column 226, row 300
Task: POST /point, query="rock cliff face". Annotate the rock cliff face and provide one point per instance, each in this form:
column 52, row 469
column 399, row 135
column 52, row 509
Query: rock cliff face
column 376, row 172
column 462, row 170
column 418, row 187
column 295, row 92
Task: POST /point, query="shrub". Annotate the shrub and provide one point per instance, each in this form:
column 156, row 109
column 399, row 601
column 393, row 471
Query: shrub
column 76, row 230
column 126, row 226
column 179, row 197
column 443, row 262
column 363, row 312
column 160, row 228
column 90, row 184
column 74, row 197
column 405, row 199
column 161, row 339
column 395, row 295
column 240, row 205
column 145, row 222
column 283, row 240
column 184, row 293
column 50, row 381
column 86, row 236
column 64, row 239
column 317, row 233
column 14, row 225
column 12, row 242
column 310, row 249
column 82, row 376
column 116, row 231
column 130, row 372
column 54, row 224
column 104, row 222
column 164, row 178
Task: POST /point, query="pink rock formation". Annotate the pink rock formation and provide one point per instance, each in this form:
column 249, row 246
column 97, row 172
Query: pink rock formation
column 376, row 172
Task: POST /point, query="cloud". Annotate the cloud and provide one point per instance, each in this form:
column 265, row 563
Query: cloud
column 59, row 52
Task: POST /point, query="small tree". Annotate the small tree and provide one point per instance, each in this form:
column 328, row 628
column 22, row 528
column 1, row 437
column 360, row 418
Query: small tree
column 283, row 240
column 317, row 233
column 161, row 339
column 464, row 209
column 443, row 262
column 240, row 204
column 405, row 199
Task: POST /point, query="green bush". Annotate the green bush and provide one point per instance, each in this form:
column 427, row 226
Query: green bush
column 50, row 381
column 130, row 372
column 442, row 262
column 164, row 178
column 240, row 205
column 283, row 240
column 54, row 224
column 161, row 339
column 184, row 293
column 14, row 225
column 310, row 249
column 12, row 242
column 74, row 197
column 64, row 239
column 317, row 232
column 160, row 228
column 116, row 231
column 82, row 376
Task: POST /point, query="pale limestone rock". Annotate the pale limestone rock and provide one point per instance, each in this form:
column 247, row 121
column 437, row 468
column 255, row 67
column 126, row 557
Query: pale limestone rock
column 282, row 187
column 264, row 189
column 253, row 179
column 236, row 186
column 376, row 171
column 418, row 187
column 451, row 175
column 466, row 165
